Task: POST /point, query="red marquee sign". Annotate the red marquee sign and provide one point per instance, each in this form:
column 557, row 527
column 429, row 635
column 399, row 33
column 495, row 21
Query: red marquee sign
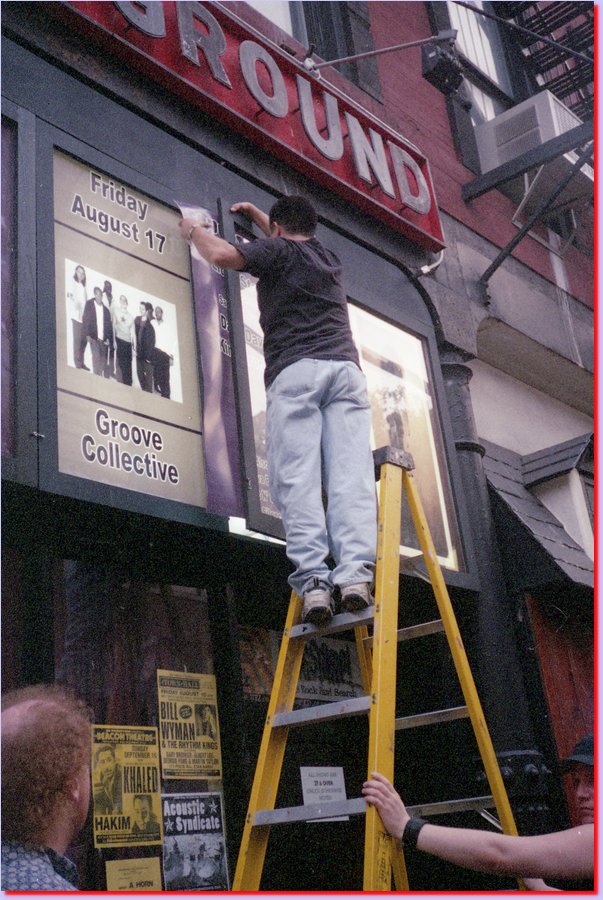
column 208, row 56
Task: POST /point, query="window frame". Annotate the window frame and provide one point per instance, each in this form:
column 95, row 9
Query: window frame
column 48, row 139
column 22, row 465
column 462, row 127
column 408, row 312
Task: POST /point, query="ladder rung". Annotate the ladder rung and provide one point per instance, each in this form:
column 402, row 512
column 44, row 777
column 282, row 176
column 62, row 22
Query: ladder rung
column 414, row 631
column 422, row 630
column 289, row 814
column 432, row 718
column 354, row 706
column 452, row 806
column 342, row 622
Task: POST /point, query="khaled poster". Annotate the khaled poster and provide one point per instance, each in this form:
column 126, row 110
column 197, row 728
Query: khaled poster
column 194, row 852
column 128, row 397
column 125, row 786
column 188, row 725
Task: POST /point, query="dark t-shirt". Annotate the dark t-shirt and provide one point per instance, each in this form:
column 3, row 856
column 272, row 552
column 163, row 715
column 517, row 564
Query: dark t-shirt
column 303, row 307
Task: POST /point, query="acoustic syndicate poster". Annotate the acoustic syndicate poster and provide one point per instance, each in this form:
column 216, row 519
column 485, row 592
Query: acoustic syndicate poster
column 128, row 389
column 194, row 852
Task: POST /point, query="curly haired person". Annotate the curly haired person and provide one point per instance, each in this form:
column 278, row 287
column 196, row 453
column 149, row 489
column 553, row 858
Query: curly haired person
column 45, row 786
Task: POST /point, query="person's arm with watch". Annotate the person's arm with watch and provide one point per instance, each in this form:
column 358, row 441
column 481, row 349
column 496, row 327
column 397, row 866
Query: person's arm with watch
column 212, row 248
column 564, row 854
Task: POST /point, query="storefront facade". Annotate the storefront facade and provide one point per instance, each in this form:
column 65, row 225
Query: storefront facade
column 136, row 491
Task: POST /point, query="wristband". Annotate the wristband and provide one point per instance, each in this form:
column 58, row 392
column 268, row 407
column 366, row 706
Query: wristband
column 411, row 832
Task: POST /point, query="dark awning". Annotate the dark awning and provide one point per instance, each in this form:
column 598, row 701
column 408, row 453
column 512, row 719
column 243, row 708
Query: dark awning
column 535, row 547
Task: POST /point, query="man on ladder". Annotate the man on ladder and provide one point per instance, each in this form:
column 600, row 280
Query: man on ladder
column 319, row 421
column 318, row 411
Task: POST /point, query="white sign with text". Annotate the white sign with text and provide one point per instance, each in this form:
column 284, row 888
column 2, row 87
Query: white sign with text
column 323, row 785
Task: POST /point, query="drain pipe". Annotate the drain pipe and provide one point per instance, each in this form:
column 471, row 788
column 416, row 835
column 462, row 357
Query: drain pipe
column 506, row 251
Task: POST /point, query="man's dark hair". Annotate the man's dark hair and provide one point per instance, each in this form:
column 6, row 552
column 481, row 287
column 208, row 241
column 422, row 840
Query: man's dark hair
column 149, row 307
column 295, row 214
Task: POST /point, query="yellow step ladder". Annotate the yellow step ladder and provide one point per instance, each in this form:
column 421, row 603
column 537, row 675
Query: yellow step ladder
column 377, row 657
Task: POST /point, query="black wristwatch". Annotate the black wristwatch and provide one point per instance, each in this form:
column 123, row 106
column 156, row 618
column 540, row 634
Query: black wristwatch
column 411, row 832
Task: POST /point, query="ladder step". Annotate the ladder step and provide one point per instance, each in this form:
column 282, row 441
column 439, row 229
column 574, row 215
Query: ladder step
column 452, row 806
column 414, row 631
column 341, row 622
column 432, row 718
column 290, row 814
column 354, row 706
column 422, row 630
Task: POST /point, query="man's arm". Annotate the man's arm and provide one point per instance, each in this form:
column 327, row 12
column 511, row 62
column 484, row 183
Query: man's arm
column 212, row 248
column 215, row 249
column 565, row 854
column 256, row 215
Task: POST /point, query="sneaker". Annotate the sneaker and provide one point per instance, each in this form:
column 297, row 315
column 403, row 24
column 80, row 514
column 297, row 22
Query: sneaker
column 318, row 604
column 355, row 597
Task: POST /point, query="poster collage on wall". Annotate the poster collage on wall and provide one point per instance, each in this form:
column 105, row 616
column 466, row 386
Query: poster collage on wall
column 129, row 764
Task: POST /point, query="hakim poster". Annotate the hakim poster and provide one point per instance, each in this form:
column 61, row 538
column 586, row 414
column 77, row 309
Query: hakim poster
column 194, row 853
column 129, row 412
column 125, row 786
column 189, row 731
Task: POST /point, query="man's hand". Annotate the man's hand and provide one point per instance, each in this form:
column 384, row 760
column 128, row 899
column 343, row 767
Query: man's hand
column 245, row 207
column 381, row 794
column 213, row 249
column 252, row 212
column 186, row 225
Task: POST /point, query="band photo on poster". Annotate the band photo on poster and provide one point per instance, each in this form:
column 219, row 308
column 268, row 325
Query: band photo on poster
column 120, row 332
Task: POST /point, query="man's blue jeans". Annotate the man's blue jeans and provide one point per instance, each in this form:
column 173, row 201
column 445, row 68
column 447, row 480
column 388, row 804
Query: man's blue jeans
column 318, row 430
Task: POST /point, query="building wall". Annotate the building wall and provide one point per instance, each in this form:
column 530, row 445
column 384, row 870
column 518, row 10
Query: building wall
column 419, row 111
column 517, row 416
column 564, row 497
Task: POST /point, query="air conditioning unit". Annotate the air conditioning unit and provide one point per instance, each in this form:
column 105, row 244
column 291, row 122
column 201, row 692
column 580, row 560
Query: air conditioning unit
column 525, row 127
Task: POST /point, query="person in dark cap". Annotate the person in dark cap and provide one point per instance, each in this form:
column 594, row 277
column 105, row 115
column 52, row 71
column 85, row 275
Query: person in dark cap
column 580, row 766
column 562, row 855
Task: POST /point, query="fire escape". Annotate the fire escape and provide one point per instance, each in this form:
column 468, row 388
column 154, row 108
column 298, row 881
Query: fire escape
column 570, row 78
column 557, row 41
